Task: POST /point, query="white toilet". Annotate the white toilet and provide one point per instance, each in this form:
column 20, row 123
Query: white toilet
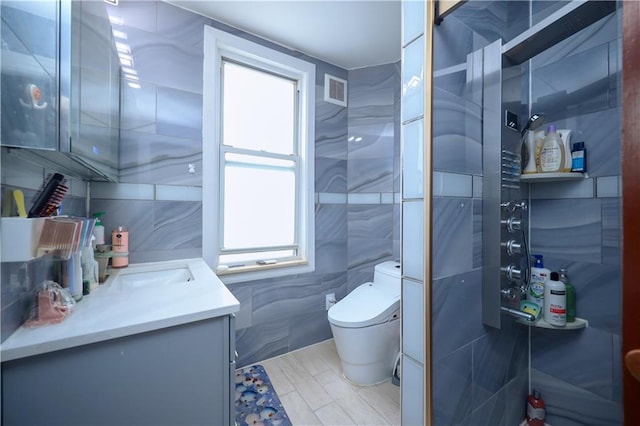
column 366, row 327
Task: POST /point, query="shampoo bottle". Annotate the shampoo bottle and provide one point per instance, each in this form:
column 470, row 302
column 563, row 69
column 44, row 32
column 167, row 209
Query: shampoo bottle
column 555, row 301
column 565, row 137
column 539, row 277
column 552, row 152
column 571, row 296
column 529, row 153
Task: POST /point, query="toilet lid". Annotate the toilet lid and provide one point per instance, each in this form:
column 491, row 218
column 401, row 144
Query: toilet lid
column 366, row 305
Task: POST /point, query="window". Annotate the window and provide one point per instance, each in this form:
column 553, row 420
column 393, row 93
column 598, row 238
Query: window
column 258, row 135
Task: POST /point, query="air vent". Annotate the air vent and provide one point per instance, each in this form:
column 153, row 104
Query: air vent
column 335, row 90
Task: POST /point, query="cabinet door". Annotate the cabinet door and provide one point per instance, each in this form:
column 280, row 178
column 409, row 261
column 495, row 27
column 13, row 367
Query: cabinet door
column 94, row 75
column 172, row 376
column 230, row 413
column 29, row 74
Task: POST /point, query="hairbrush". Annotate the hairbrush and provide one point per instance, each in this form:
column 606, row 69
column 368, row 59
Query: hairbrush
column 50, row 197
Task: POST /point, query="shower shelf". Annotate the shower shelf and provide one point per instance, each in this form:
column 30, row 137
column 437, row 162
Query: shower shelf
column 551, row 177
column 541, row 323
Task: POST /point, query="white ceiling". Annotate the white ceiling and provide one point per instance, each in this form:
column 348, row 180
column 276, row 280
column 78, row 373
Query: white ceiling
column 348, row 33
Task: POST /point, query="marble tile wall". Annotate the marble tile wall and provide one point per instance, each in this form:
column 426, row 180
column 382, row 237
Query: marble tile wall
column 159, row 199
column 578, row 227
column 354, row 232
column 480, row 374
column 476, row 25
column 373, row 153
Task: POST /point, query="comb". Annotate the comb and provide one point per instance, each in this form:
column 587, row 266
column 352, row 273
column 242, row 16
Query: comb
column 50, row 197
column 58, row 238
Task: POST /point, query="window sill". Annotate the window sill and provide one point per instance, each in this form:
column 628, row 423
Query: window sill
column 257, row 272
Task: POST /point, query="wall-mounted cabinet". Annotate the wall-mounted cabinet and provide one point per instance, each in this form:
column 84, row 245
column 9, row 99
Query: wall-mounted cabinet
column 29, row 81
column 60, row 86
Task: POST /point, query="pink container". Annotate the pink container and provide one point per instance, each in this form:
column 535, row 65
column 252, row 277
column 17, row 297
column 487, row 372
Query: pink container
column 120, row 248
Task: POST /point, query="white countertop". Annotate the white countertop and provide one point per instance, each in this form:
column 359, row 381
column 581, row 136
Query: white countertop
column 113, row 311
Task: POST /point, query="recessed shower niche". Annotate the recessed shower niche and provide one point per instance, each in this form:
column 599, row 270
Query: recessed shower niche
column 508, row 110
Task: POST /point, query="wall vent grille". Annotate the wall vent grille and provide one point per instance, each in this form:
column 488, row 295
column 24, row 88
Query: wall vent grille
column 335, row 90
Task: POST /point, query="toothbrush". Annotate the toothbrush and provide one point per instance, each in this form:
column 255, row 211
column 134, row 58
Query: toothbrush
column 18, row 196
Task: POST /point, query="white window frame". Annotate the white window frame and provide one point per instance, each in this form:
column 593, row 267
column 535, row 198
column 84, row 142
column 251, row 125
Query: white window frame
column 218, row 45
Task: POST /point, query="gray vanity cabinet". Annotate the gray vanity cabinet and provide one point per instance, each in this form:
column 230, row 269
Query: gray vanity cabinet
column 173, row 376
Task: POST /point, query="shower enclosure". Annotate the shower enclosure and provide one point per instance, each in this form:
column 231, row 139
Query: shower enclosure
column 495, row 63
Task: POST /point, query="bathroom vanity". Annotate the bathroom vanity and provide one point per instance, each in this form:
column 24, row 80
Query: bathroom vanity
column 139, row 350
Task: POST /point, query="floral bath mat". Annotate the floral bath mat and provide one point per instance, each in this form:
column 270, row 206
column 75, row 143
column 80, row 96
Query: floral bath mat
column 256, row 400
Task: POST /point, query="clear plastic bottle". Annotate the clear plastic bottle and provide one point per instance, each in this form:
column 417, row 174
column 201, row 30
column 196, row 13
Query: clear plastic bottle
column 552, row 152
column 571, row 296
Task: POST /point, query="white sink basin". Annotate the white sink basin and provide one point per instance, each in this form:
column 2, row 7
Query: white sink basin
column 167, row 276
column 152, row 275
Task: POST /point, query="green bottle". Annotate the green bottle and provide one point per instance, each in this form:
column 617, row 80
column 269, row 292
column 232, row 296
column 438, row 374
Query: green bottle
column 571, row 296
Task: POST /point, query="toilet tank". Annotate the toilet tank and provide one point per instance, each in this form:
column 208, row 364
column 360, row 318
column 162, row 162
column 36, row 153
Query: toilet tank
column 387, row 273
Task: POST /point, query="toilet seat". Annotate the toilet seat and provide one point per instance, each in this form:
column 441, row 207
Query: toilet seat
column 365, row 306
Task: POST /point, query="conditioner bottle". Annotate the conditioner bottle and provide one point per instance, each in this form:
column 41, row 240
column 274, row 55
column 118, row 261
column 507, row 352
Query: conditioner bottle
column 555, row 301
column 565, row 137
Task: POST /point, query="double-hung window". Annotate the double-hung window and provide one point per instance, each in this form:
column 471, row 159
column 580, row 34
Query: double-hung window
column 258, row 135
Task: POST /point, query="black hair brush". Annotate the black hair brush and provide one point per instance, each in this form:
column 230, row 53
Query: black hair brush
column 50, row 197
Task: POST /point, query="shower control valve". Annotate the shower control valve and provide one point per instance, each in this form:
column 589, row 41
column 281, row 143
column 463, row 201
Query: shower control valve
column 510, row 294
column 513, row 247
column 512, row 224
column 511, row 206
column 522, row 205
column 512, row 273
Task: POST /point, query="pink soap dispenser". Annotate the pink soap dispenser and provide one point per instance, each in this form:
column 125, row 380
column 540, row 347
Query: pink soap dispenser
column 120, row 247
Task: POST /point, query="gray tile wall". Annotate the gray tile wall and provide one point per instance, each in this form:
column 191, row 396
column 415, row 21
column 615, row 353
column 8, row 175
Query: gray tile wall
column 480, row 374
column 373, row 153
column 577, row 225
column 574, row 224
column 354, row 231
column 159, row 200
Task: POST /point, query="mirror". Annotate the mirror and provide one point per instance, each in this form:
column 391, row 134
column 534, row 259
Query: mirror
column 29, row 74
column 61, row 85
column 94, row 116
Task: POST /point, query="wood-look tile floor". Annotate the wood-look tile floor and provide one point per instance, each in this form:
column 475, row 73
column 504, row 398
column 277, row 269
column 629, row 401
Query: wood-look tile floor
column 313, row 391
